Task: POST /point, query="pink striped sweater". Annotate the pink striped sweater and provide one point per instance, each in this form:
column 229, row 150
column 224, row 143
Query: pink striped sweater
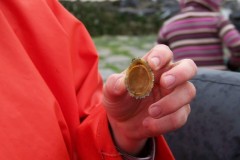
column 199, row 32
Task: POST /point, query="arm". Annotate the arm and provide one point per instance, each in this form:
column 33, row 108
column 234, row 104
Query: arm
column 231, row 38
column 133, row 120
column 94, row 139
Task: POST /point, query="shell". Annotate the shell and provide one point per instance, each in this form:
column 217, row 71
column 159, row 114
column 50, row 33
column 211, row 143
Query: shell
column 139, row 78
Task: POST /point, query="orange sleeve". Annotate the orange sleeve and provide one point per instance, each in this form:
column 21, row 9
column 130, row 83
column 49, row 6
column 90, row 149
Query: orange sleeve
column 50, row 86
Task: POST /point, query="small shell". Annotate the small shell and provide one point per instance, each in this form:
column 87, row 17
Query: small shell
column 139, row 78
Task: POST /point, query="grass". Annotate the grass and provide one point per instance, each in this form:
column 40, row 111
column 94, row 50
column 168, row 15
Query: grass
column 116, row 52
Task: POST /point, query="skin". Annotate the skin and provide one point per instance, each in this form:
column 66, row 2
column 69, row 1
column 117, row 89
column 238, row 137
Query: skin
column 167, row 108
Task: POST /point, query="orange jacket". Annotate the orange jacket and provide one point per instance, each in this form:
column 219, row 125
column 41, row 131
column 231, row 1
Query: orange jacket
column 50, row 87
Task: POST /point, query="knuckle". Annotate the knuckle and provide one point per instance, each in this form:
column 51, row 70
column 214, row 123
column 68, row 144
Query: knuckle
column 179, row 120
column 192, row 65
column 191, row 90
column 188, row 108
column 190, row 61
column 162, row 48
column 152, row 130
column 112, row 77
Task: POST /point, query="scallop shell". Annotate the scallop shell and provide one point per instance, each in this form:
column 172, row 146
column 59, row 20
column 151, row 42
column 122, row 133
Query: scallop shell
column 139, row 78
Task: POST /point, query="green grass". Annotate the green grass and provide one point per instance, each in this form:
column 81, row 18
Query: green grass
column 116, row 52
column 124, row 45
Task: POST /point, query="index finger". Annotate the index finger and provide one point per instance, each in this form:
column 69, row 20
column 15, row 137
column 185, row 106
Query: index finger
column 158, row 57
column 179, row 73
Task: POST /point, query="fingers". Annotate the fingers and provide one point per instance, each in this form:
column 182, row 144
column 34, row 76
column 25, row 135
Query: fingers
column 114, row 86
column 179, row 73
column 172, row 102
column 158, row 57
column 168, row 123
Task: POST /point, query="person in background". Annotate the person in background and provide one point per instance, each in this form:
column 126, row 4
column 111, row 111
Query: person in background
column 200, row 32
column 54, row 105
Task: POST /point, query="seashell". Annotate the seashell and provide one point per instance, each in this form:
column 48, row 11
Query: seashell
column 139, row 78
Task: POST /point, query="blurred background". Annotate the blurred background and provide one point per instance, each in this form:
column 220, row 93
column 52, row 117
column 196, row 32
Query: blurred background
column 126, row 29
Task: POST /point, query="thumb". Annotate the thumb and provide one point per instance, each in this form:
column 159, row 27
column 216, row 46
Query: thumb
column 114, row 86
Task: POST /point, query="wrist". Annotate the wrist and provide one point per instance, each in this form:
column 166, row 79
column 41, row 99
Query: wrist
column 124, row 140
column 147, row 153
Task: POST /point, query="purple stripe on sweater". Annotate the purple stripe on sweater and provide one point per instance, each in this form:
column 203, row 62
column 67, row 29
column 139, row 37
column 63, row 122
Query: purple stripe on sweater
column 206, row 63
column 169, row 31
column 196, row 20
column 194, row 55
column 174, row 26
column 233, row 41
column 231, row 37
column 199, row 44
column 192, row 36
column 188, row 48
column 213, row 4
column 212, row 63
column 206, row 53
column 229, row 34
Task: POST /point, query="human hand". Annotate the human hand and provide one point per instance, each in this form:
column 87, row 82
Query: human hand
column 165, row 109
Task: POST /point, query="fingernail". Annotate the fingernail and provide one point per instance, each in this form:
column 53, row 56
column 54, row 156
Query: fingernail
column 169, row 81
column 154, row 111
column 156, row 62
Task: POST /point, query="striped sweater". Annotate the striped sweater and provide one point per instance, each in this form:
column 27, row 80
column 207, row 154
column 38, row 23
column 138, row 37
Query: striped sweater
column 199, row 33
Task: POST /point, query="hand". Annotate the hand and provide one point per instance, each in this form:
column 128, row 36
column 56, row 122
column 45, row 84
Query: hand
column 165, row 109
